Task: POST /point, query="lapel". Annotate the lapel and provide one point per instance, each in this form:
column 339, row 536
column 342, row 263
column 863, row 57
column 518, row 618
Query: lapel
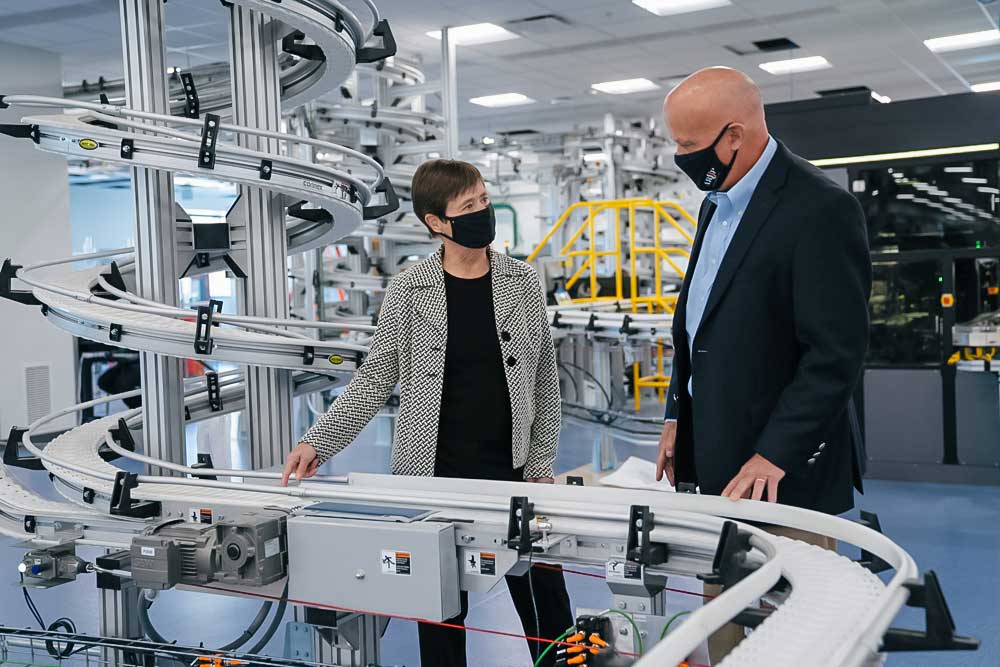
column 508, row 288
column 427, row 293
column 704, row 217
column 762, row 202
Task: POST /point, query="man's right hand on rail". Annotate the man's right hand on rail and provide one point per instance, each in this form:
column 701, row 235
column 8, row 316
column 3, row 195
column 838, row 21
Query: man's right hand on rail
column 302, row 461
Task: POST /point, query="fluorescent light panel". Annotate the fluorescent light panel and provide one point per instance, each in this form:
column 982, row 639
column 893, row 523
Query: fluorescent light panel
column 968, row 40
column 476, row 33
column 975, row 181
column 904, row 155
column 794, row 65
column 502, row 100
column 958, row 170
column 987, row 87
column 668, row 7
column 624, row 86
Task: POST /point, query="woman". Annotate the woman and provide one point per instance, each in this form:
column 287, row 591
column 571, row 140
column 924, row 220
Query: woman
column 466, row 336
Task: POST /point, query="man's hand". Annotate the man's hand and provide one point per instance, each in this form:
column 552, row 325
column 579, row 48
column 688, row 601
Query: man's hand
column 302, row 461
column 541, row 480
column 753, row 477
column 665, row 457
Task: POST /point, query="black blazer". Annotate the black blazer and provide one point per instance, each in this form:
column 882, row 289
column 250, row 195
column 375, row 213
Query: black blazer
column 780, row 347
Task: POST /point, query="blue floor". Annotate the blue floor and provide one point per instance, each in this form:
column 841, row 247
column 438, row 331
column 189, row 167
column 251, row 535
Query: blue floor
column 951, row 529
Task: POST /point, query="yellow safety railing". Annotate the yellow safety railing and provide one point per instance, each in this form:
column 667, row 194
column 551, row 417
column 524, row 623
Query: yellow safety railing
column 663, row 212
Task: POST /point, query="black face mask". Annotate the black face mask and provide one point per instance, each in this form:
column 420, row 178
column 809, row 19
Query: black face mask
column 474, row 230
column 704, row 167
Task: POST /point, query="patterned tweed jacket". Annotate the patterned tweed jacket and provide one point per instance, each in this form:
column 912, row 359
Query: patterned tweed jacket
column 409, row 348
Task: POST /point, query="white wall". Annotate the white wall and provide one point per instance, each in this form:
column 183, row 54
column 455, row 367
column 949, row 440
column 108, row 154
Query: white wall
column 34, row 225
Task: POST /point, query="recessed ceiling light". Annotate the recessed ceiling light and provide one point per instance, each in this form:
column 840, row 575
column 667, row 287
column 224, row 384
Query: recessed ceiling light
column 793, row 65
column 668, row 7
column 476, row 33
column 624, row 86
column 968, row 40
column 905, row 196
column 987, row 87
column 502, row 100
column 958, row 170
column 975, row 181
column 884, row 99
column 989, row 191
column 952, row 200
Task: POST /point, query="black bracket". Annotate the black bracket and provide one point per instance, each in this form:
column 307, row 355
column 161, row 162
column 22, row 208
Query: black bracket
column 209, row 135
column 192, row 106
column 204, row 461
column 556, row 321
column 729, row 566
column 7, row 273
column 117, row 560
column 519, row 535
column 3, row 105
column 686, row 487
column 127, row 149
column 11, row 455
column 114, row 277
column 626, row 327
column 21, row 131
column 591, row 323
column 123, row 435
column 574, row 480
column 308, row 355
column 265, row 170
column 939, row 634
column 29, row 523
column 638, row 547
column 289, row 44
column 391, row 202
column 214, row 396
column 122, row 503
column 869, row 560
column 203, row 327
column 115, row 332
column 369, row 54
column 88, row 495
column 310, row 214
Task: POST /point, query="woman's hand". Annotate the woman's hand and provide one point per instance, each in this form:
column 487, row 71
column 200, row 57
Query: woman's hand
column 303, row 461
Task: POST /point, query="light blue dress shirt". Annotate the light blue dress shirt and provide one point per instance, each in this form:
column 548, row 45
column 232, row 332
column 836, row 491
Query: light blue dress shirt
column 730, row 206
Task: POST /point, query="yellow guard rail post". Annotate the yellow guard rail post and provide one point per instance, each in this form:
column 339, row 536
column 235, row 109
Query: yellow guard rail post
column 663, row 212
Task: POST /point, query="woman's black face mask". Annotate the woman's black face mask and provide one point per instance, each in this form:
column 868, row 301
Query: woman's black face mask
column 704, row 167
column 474, row 230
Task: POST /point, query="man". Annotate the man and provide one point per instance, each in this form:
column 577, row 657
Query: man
column 466, row 335
column 771, row 325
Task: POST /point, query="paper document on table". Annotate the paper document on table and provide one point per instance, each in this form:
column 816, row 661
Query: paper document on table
column 636, row 473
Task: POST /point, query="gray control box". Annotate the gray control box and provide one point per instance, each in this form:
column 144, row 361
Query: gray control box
column 383, row 567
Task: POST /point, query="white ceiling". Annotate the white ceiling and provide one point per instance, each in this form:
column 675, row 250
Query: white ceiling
column 874, row 43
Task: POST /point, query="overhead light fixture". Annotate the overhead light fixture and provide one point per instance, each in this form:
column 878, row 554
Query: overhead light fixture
column 987, row 87
column 905, row 196
column 795, row 65
column 624, row 86
column 884, row 99
column 958, row 170
column 502, row 100
column 967, row 40
column 988, row 191
column 953, row 200
column 476, row 33
column 905, row 155
column 668, row 7
column 975, row 181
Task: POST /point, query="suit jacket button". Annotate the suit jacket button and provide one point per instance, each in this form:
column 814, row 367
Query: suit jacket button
column 505, row 335
column 511, row 361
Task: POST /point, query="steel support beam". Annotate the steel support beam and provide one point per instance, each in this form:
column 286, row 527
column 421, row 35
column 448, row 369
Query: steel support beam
column 253, row 54
column 449, row 94
column 142, row 25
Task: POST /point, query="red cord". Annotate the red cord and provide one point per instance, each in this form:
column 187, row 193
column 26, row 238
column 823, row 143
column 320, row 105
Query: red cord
column 601, row 576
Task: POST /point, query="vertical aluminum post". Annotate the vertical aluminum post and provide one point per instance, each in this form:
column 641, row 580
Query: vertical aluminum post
column 142, row 24
column 120, row 619
column 449, row 94
column 253, row 55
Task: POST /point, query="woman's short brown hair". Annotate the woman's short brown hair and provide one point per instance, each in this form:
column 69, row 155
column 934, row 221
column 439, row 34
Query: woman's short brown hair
column 436, row 182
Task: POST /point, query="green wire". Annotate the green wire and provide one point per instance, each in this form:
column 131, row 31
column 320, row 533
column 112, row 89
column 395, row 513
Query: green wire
column 548, row 648
column 670, row 622
column 628, row 617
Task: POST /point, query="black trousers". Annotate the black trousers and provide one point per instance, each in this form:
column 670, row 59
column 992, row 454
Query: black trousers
column 445, row 647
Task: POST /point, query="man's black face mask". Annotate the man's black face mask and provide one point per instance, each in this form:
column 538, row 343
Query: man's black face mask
column 474, row 230
column 704, row 167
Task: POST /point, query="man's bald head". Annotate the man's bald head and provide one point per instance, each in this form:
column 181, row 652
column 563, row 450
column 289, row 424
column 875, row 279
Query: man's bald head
column 701, row 105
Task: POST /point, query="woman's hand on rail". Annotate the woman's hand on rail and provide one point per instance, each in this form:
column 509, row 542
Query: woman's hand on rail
column 302, row 461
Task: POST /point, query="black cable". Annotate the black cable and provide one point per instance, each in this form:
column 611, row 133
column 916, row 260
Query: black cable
column 275, row 623
column 63, row 623
column 607, row 396
column 576, row 388
column 534, row 607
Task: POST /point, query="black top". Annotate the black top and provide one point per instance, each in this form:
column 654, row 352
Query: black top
column 474, row 432
column 781, row 345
